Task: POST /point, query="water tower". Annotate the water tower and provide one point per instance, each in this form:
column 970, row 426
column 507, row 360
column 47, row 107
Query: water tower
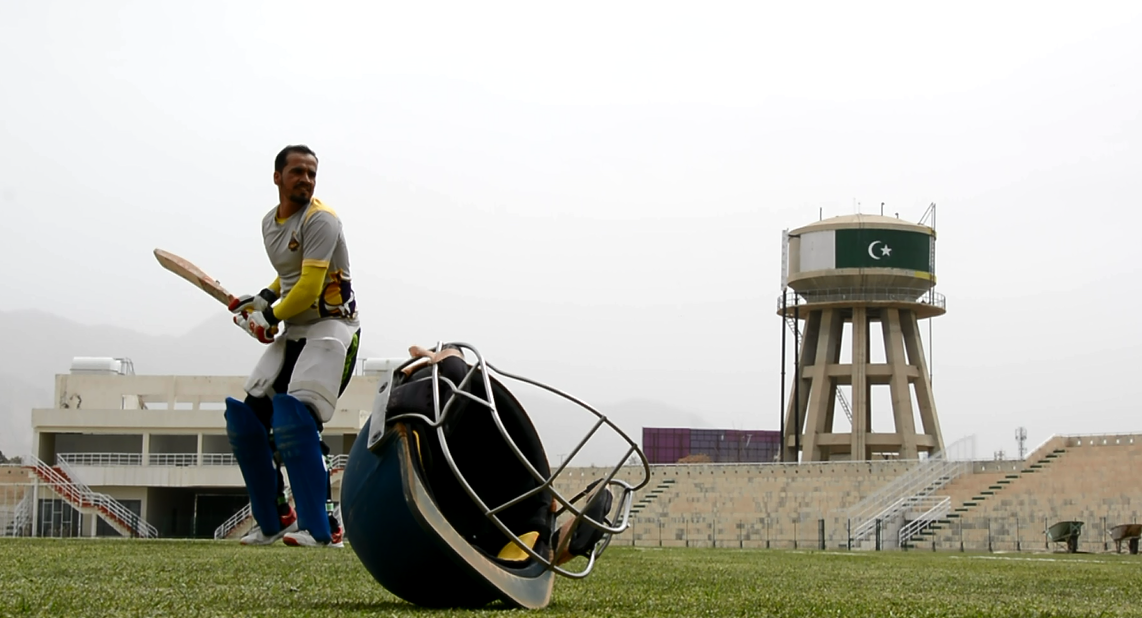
column 875, row 274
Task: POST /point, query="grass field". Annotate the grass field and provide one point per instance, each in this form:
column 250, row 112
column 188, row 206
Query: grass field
column 198, row 578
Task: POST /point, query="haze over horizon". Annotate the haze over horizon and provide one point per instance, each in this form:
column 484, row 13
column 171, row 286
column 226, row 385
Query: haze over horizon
column 594, row 198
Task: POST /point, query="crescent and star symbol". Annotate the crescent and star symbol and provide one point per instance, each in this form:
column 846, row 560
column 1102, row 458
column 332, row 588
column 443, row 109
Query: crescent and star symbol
column 885, row 251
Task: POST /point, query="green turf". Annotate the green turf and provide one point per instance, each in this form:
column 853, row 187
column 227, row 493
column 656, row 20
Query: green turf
column 202, row 578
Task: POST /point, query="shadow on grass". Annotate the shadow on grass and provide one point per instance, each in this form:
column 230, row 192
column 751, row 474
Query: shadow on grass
column 335, row 605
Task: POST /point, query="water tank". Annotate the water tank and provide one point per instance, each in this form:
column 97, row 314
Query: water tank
column 100, row 365
column 852, row 253
column 377, row 366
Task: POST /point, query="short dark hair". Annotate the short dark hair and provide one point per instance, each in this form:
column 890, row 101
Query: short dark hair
column 280, row 160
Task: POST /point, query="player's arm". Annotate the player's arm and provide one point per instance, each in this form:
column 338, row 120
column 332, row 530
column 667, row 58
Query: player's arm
column 320, row 236
column 302, row 295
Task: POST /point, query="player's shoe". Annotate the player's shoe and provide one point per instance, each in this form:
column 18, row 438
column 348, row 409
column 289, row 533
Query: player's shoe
column 257, row 537
column 302, row 538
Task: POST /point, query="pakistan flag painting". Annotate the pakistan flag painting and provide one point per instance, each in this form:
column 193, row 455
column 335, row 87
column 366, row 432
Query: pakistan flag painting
column 867, row 248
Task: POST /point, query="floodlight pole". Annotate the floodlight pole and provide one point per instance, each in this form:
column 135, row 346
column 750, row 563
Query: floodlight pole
column 797, row 379
column 781, row 410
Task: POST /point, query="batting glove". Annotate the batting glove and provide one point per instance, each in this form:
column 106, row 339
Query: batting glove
column 250, row 304
column 261, row 325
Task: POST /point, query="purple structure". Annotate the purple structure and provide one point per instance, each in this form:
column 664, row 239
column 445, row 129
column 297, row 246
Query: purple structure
column 666, row 445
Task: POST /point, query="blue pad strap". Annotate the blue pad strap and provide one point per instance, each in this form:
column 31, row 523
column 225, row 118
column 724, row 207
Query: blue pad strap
column 299, row 445
column 251, row 447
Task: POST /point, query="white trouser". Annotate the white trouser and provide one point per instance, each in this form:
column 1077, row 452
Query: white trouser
column 317, row 374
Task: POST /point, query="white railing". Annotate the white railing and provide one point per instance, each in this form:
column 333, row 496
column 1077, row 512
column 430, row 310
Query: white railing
column 219, row 459
column 23, row 514
column 927, row 477
column 173, row 459
column 235, row 520
column 232, row 522
column 922, row 481
column 101, row 459
column 78, row 494
column 337, row 462
column 937, row 508
column 15, row 509
column 865, row 294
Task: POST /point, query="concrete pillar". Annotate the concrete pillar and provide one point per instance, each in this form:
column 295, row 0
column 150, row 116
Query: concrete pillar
column 821, row 391
column 861, row 410
column 902, row 412
column 812, row 414
column 910, row 329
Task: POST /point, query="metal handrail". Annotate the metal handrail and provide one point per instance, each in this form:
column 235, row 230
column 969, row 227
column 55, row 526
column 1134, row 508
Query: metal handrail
column 173, row 459
column 939, row 507
column 219, row 459
column 905, row 491
column 101, row 459
column 232, row 522
column 22, row 515
column 959, row 451
column 244, row 513
column 142, row 527
column 72, row 489
column 790, row 297
column 337, row 462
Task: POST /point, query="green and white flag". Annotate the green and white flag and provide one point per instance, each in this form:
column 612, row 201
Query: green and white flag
column 867, row 248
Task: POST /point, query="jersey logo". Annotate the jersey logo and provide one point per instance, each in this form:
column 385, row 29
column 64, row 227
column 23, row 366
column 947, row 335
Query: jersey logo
column 293, row 242
column 337, row 299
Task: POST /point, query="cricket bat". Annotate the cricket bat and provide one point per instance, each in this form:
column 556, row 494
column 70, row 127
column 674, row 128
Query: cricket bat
column 187, row 270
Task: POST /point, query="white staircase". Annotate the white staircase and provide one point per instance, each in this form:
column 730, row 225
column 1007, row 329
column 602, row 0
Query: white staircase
column 243, row 521
column 930, row 509
column 911, row 492
column 22, row 522
column 66, row 484
column 17, row 520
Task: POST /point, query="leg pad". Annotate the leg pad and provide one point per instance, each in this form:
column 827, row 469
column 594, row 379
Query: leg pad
column 299, row 445
column 251, row 447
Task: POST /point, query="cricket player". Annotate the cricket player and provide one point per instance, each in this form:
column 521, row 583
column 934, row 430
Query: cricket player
column 308, row 319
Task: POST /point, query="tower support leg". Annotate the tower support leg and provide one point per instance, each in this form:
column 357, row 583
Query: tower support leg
column 902, row 412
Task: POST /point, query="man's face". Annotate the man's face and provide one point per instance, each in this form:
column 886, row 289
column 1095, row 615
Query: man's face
column 298, row 178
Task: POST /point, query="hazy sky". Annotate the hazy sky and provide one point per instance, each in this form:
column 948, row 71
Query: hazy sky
column 599, row 188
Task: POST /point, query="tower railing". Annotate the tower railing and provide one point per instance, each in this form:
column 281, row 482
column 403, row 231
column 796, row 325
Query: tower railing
column 790, row 297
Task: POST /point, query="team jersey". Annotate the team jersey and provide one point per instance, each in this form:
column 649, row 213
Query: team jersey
column 311, row 236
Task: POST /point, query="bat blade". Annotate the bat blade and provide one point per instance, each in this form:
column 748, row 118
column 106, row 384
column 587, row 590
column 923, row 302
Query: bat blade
column 195, row 275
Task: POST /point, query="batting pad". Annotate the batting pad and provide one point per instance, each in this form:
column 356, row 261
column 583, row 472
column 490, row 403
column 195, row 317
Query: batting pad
column 299, row 445
column 251, row 447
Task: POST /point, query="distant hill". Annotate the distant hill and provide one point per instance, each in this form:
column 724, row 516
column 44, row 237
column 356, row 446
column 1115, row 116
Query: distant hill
column 17, row 398
column 215, row 347
column 37, row 346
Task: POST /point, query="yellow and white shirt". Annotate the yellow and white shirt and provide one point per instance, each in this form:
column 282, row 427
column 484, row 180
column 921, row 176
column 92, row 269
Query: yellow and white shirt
column 309, row 253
